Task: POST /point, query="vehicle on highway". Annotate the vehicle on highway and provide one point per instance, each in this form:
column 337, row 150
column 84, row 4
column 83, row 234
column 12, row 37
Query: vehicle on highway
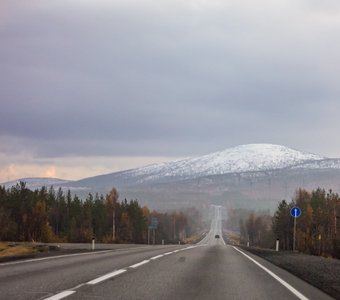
column 217, row 236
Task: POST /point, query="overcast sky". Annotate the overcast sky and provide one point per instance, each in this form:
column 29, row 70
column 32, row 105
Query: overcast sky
column 90, row 87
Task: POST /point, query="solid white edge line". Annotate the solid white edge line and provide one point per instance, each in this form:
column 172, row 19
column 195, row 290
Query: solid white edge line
column 284, row 283
column 139, row 264
column 167, row 253
column 107, row 276
column 61, row 295
column 52, row 257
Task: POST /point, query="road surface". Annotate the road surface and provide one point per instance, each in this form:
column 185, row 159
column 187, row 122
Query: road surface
column 207, row 270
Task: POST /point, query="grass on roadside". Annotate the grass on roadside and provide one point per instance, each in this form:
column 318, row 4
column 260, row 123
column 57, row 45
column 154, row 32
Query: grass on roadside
column 13, row 249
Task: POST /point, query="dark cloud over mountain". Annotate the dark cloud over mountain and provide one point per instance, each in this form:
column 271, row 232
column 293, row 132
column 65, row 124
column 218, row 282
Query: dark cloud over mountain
column 170, row 78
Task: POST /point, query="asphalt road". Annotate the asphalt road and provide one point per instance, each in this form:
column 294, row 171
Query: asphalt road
column 208, row 270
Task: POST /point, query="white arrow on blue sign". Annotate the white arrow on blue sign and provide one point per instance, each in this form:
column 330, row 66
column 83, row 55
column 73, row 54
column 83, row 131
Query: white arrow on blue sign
column 295, row 212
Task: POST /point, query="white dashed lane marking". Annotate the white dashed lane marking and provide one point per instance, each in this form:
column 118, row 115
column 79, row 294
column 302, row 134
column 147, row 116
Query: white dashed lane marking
column 156, row 257
column 67, row 293
column 107, row 276
column 61, row 295
column 139, row 264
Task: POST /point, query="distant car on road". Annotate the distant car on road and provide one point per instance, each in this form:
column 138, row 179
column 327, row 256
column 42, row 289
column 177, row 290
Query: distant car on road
column 217, row 236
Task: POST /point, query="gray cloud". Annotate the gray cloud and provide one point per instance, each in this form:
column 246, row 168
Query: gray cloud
column 170, row 78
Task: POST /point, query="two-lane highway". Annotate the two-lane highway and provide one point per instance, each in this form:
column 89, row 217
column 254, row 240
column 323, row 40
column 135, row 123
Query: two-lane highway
column 41, row 278
column 215, row 228
column 207, row 270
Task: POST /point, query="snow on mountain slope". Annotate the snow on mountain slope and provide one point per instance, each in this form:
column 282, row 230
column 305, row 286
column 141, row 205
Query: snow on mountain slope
column 245, row 158
column 327, row 163
column 240, row 159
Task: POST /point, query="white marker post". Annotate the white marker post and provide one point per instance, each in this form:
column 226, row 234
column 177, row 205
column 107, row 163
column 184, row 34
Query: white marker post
column 277, row 245
column 93, row 243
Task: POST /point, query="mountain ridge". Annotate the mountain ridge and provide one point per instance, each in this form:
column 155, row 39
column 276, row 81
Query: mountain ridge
column 253, row 175
column 239, row 159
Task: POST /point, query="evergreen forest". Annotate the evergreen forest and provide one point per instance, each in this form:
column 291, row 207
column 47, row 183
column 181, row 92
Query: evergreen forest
column 57, row 216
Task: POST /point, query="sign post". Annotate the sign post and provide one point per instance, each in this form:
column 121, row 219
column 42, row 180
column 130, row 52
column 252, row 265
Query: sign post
column 148, row 235
column 295, row 212
column 153, row 226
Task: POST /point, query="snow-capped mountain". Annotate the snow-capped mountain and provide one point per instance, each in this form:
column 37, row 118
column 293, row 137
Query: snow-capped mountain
column 240, row 159
column 254, row 175
column 245, row 158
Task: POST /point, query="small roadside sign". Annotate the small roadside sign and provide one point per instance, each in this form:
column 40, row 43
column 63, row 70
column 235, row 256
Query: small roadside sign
column 153, row 227
column 295, row 212
column 154, row 222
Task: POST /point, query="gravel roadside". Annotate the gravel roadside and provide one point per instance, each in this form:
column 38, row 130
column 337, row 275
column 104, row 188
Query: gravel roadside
column 323, row 273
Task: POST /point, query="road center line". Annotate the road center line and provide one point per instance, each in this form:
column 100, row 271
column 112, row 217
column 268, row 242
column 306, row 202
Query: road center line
column 61, row 295
column 284, row 283
column 156, row 257
column 190, row 247
column 107, row 276
column 112, row 274
column 139, row 264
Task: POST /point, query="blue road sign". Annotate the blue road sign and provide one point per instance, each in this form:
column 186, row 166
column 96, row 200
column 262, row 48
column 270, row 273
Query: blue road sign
column 154, row 223
column 295, row 212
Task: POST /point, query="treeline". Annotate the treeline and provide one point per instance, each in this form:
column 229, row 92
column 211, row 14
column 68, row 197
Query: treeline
column 55, row 216
column 256, row 230
column 317, row 229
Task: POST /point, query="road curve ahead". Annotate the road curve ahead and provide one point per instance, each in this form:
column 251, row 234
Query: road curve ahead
column 208, row 270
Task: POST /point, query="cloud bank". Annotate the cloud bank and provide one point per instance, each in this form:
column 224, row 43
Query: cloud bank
column 166, row 78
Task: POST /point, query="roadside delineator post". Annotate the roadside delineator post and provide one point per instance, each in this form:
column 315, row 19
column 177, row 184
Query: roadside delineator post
column 93, row 243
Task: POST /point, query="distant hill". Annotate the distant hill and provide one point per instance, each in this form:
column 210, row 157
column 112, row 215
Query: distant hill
column 252, row 176
column 37, row 182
